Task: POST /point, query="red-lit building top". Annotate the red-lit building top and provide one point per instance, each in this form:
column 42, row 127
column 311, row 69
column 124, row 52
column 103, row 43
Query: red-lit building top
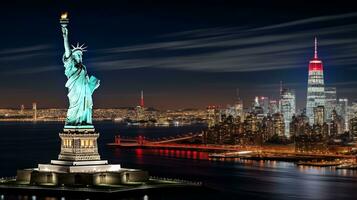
column 315, row 64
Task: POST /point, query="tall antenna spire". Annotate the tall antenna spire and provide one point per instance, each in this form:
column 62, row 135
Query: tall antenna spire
column 281, row 87
column 315, row 53
column 142, row 99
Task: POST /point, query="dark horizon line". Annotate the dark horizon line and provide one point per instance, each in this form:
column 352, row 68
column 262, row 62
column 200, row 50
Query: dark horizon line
column 120, row 107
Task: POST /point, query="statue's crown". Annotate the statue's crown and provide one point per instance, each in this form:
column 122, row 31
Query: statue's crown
column 81, row 48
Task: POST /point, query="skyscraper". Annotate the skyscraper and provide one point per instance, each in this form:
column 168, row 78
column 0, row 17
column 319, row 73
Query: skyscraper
column 354, row 109
column 278, row 124
column 34, row 108
column 315, row 86
column 287, row 107
column 256, row 107
column 239, row 106
column 319, row 115
column 331, row 102
column 342, row 110
column 264, row 103
column 273, row 107
column 337, row 124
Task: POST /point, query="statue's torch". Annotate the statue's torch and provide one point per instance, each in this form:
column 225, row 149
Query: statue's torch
column 64, row 20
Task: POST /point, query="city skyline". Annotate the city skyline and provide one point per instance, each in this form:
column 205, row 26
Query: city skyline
column 197, row 59
column 178, row 100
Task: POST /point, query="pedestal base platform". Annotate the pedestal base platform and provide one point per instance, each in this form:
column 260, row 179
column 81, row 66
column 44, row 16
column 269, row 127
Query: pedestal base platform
column 79, row 163
column 60, row 166
column 81, row 175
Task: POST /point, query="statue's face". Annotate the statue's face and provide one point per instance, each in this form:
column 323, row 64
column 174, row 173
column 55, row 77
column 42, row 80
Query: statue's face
column 77, row 55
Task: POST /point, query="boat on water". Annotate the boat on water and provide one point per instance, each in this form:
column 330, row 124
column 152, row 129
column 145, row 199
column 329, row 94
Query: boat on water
column 230, row 154
column 319, row 163
column 352, row 166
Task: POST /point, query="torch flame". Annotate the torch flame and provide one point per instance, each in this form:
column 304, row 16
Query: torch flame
column 64, row 15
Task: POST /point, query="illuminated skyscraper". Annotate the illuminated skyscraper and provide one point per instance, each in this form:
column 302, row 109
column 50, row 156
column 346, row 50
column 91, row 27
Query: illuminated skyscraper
column 315, row 86
column 238, row 107
column 353, row 126
column 342, row 110
column 278, row 124
column 273, row 107
column 256, row 107
column 213, row 115
column 319, row 115
column 337, row 124
column 264, row 103
column 34, row 108
column 354, row 110
column 287, row 107
column 331, row 102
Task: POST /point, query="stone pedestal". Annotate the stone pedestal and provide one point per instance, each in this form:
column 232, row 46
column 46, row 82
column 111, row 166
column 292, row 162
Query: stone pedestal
column 79, row 164
column 79, row 153
column 79, row 144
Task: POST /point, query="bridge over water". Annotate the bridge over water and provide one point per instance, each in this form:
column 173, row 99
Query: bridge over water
column 282, row 151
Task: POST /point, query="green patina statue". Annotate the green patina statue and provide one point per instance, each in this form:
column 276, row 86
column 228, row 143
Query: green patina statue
column 80, row 85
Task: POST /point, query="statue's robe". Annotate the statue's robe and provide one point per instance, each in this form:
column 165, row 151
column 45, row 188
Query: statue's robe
column 80, row 89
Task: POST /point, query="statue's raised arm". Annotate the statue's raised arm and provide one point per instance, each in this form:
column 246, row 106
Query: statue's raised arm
column 67, row 49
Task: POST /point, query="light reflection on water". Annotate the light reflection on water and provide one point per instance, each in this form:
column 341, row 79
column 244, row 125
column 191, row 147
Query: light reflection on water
column 241, row 178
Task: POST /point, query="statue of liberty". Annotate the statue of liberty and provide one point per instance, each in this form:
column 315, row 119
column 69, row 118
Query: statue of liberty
column 80, row 85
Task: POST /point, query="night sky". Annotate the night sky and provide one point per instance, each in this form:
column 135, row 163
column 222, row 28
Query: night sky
column 183, row 55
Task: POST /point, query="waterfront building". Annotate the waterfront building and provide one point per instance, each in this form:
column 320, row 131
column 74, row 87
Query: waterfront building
column 278, row 124
column 316, row 87
column 336, row 124
column 310, row 138
column 34, row 108
column 228, row 131
column 319, row 115
column 353, row 110
column 287, row 107
column 331, row 102
column 322, row 129
column 353, row 126
column 140, row 113
column 311, row 143
column 267, row 128
column 232, row 131
column 251, row 123
column 298, row 125
column 342, row 110
column 213, row 115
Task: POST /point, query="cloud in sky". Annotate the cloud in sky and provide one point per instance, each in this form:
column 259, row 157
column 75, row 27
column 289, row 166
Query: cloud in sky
column 221, row 49
column 318, row 19
column 35, row 70
column 27, row 49
column 241, row 49
column 21, row 60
